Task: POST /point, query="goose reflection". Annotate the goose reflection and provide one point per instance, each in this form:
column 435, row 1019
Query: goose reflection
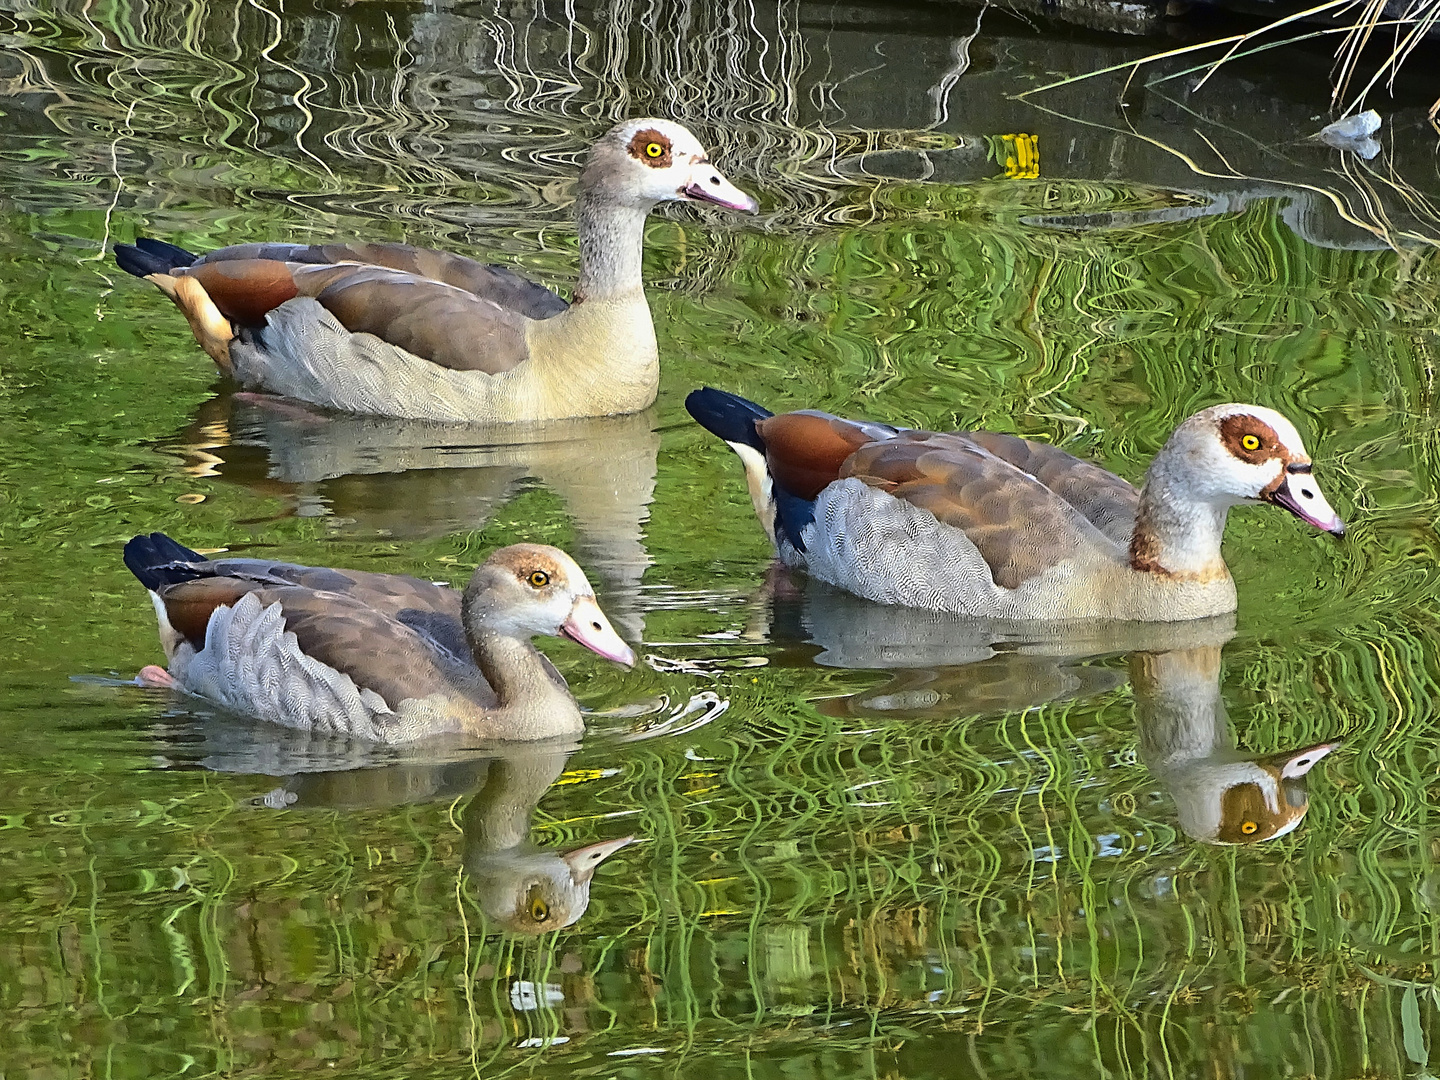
column 525, row 888
column 1223, row 796
column 942, row 665
column 413, row 479
column 945, row 666
column 522, row 888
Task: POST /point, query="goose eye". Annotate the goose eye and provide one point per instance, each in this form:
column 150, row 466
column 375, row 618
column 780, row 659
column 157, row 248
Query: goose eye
column 1249, row 828
column 539, row 910
column 538, row 579
column 1251, row 442
column 654, row 150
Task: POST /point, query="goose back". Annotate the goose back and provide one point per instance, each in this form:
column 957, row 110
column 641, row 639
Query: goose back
column 454, row 312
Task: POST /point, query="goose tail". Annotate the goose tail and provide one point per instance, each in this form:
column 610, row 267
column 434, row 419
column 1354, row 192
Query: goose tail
column 147, row 256
column 729, row 416
column 733, row 419
column 156, row 560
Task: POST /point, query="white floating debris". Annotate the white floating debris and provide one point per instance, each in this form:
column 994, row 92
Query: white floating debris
column 279, row 798
column 1353, row 134
column 527, row 997
column 637, row 1050
column 1360, row 126
column 536, row 1043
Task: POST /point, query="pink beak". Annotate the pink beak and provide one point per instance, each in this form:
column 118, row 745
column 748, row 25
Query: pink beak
column 588, row 625
column 1299, row 762
column 583, row 861
column 707, row 185
column 1299, row 494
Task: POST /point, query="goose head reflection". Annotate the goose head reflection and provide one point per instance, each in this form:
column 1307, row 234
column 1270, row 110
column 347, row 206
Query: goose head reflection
column 943, row 666
column 524, row 888
column 521, row 887
column 1223, row 796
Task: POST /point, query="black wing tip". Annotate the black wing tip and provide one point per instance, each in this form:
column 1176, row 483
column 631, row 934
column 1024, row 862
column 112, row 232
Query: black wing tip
column 157, row 560
column 148, row 256
column 727, row 415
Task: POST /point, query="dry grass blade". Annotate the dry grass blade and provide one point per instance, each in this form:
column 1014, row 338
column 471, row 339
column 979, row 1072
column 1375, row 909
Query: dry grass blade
column 1420, row 17
column 1308, row 13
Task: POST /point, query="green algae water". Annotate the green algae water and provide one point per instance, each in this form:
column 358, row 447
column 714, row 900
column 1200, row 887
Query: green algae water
column 867, row 843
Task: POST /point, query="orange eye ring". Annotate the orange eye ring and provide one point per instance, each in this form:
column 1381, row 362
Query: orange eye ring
column 1249, row 828
column 538, row 579
column 1250, row 442
column 654, row 150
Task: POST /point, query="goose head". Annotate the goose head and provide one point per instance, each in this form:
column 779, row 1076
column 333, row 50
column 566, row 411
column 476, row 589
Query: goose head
column 529, row 589
column 1231, row 454
column 642, row 162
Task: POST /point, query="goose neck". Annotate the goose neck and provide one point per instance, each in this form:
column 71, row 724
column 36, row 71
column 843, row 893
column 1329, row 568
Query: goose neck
column 1177, row 535
column 611, row 236
column 530, row 702
column 1178, row 707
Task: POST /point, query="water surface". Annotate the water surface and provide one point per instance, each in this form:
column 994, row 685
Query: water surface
column 867, row 843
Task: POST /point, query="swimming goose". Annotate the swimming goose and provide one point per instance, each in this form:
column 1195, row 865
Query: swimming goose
column 993, row 525
column 392, row 330
column 382, row 657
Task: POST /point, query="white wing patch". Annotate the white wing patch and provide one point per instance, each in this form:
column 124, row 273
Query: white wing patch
column 252, row 665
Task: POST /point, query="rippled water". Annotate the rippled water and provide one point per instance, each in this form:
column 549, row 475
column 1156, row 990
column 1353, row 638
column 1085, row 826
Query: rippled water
column 867, row 843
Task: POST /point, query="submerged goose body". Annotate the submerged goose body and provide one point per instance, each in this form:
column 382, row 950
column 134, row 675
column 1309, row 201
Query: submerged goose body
column 393, row 330
column 382, row 657
column 992, row 525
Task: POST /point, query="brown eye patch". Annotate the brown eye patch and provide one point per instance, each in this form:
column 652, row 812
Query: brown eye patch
column 1251, row 439
column 1244, row 816
column 651, row 147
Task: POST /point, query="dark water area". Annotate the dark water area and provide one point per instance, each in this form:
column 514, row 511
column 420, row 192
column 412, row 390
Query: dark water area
column 867, row 842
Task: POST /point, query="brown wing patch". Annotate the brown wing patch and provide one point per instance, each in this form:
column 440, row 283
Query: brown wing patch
column 1251, row 439
column 436, row 322
column 1020, row 527
column 652, row 147
column 190, row 604
column 1108, row 502
column 805, row 450
column 245, row 289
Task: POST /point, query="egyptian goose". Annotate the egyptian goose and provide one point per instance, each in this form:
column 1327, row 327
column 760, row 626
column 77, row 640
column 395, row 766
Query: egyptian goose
column 382, row 657
column 992, row 525
column 392, row 330
column 1223, row 796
